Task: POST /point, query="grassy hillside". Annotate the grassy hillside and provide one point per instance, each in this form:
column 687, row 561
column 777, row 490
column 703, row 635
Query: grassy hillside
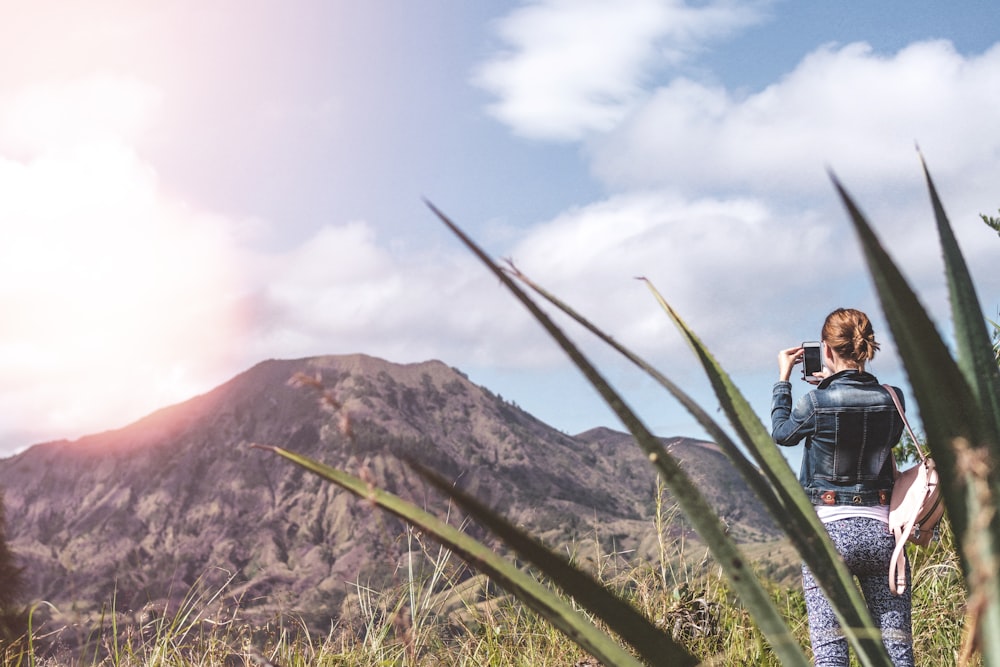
column 436, row 615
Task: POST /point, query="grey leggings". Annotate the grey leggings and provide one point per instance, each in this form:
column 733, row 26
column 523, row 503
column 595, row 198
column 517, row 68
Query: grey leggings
column 866, row 545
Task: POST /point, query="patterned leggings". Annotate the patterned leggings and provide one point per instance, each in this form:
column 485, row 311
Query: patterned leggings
column 866, row 546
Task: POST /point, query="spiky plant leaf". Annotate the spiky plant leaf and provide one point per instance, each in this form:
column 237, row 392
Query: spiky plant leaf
column 947, row 404
column 957, row 421
column 556, row 611
column 778, row 489
column 650, row 643
column 688, row 497
column 977, row 360
column 800, row 520
column 975, row 351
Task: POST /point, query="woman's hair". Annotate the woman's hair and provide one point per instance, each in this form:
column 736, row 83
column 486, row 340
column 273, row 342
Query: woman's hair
column 849, row 332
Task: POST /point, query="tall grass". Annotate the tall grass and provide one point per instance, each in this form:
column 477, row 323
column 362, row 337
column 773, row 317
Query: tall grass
column 465, row 621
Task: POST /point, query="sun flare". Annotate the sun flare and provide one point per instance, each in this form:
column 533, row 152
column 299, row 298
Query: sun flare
column 114, row 297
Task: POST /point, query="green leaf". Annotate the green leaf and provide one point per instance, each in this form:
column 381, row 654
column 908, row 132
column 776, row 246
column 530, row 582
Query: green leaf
column 570, row 622
column 778, row 489
column 947, row 405
column 690, row 500
column 959, row 426
column 652, row 644
column 977, row 360
column 802, row 525
column 746, row 469
column 976, row 356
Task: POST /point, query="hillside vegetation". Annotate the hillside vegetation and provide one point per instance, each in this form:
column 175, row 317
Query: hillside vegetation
column 435, row 615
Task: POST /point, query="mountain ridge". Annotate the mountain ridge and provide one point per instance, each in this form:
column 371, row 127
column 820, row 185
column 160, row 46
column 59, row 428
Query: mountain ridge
column 145, row 511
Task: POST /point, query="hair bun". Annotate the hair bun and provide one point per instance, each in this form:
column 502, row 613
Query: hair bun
column 849, row 332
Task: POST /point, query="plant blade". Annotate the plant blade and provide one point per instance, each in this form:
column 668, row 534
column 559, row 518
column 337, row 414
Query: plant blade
column 955, row 420
column 692, row 503
column 976, row 357
column 788, row 505
column 944, row 397
column 652, row 644
column 571, row 623
column 801, row 522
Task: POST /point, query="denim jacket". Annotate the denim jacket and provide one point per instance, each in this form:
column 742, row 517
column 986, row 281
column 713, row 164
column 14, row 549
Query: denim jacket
column 850, row 425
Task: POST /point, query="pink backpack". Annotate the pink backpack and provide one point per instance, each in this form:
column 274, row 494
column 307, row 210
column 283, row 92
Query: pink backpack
column 915, row 508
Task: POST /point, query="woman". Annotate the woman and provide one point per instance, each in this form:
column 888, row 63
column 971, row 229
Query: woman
column 850, row 425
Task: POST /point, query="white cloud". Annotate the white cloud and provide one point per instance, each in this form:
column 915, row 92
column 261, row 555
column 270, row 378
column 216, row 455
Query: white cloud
column 344, row 290
column 750, row 277
column 846, row 108
column 849, row 108
column 575, row 67
column 725, row 264
column 753, row 233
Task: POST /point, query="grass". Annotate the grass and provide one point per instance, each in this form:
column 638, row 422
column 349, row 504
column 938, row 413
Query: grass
column 440, row 613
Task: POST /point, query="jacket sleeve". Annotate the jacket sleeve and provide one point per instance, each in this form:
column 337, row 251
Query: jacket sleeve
column 789, row 426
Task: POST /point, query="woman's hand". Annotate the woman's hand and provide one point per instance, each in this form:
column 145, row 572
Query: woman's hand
column 787, row 360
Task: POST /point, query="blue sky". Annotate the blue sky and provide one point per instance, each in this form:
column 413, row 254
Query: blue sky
column 187, row 188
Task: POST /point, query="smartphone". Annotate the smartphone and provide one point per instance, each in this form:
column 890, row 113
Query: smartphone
column 811, row 361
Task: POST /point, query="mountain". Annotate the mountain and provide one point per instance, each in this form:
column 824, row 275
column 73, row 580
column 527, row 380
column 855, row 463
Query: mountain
column 180, row 498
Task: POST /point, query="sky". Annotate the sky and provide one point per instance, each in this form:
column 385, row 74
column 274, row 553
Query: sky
column 190, row 188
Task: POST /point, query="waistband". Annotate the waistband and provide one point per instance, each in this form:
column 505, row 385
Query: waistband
column 832, row 497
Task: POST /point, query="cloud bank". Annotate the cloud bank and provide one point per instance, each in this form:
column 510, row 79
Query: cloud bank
column 845, row 107
column 783, row 251
column 579, row 67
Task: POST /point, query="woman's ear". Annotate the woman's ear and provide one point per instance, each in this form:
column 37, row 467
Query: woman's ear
column 828, row 356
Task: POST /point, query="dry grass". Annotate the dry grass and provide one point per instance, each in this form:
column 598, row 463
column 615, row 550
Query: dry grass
column 446, row 617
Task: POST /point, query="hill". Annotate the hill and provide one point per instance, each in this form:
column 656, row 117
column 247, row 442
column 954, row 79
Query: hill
column 141, row 514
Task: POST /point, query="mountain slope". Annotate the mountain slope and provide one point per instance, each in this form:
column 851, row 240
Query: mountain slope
column 144, row 512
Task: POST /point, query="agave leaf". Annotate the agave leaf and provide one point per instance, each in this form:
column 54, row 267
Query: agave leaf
column 789, row 506
column 750, row 473
column 947, row 404
column 690, row 500
column 976, row 357
column 559, row 613
column 802, row 525
column 652, row 644
column 957, row 424
column 977, row 360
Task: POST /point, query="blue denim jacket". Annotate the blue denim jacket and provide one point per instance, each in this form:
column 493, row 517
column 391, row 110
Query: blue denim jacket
column 850, row 425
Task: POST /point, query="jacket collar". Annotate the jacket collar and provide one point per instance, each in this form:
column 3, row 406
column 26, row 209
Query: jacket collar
column 848, row 376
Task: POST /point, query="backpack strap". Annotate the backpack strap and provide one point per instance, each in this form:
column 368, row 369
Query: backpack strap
column 897, row 564
column 906, row 423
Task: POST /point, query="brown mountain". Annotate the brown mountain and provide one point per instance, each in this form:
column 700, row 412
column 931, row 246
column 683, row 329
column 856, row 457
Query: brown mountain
column 141, row 514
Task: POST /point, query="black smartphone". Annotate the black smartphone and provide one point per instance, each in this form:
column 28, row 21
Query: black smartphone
column 811, row 361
